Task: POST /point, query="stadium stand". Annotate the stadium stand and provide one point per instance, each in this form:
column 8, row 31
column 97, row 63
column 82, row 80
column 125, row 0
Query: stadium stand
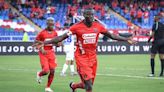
column 117, row 15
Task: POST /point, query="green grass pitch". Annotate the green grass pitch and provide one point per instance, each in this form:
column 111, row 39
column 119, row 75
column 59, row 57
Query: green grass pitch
column 116, row 73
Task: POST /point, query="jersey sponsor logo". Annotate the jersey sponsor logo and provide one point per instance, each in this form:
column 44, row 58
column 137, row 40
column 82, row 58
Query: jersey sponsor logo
column 89, row 38
column 89, row 41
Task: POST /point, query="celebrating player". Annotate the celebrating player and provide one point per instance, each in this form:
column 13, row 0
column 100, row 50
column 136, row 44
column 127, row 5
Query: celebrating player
column 87, row 32
column 46, row 54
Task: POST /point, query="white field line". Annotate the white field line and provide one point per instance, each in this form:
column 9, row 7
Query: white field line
column 99, row 74
column 130, row 76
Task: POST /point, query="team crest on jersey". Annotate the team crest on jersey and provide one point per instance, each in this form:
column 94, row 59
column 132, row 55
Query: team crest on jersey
column 95, row 29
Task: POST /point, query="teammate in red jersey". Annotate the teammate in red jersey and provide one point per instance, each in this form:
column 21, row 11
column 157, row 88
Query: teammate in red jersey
column 46, row 54
column 87, row 32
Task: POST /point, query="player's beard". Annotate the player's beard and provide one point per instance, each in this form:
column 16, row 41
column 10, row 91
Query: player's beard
column 50, row 27
column 88, row 21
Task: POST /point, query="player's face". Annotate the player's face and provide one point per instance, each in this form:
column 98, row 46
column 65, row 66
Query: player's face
column 50, row 24
column 88, row 15
column 156, row 19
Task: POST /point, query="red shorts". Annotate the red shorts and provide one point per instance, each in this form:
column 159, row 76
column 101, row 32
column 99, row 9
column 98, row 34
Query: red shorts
column 48, row 61
column 86, row 67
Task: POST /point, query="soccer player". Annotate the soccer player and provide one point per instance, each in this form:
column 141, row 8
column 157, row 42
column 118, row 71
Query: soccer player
column 87, row 33
column 157, row 45
column 46, row 54
column 69, row 51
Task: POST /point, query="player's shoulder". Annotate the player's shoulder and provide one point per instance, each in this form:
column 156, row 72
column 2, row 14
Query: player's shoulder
column 41, row 32
column 77, row 24
column 98, row 24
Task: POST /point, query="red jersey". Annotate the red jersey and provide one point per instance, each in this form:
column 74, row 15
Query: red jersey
column 46, row 35
column 87, row 37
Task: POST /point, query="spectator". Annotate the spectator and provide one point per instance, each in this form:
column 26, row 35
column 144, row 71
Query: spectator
column 97, row 7
column 36, row 12
column 1, row 5
column 48, row 9
column 57, row 25
column 132, row 14
column 23, row 2
column 126, row 10
column 139, row 15
column 107, row 15
column 106, row 7
column 64, row 1
column 122, row 5
column 19, row 8
column 146, row 16
column 114, row 4
column 6, row 6
column 51, row 10
column 31, row 3
column 10, row 15
column 102, row 13
column 161, row 13
column 129, row 24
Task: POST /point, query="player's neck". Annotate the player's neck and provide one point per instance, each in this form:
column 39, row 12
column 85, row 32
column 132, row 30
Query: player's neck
column 88, row 24
column 49, row 29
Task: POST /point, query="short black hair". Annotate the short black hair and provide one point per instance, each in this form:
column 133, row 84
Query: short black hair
column 89, row 10
column 157, row 16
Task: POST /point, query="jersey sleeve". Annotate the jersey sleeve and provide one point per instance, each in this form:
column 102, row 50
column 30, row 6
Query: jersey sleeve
column 39, row 37
column 73, row 29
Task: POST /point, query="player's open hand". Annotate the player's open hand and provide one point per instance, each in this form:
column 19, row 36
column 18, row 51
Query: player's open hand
column 38, row 45
column 131, row 41
column 43, row 51
column 59, row 44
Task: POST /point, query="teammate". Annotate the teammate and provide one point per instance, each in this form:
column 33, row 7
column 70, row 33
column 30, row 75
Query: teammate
column 69, row 51
column 87, row 32
column 46, row 54
column 157, row 45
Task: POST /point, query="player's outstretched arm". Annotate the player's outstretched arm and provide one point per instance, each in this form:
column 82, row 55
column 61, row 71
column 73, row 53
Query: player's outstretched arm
column 56, row 40
column 119, row 38
column 37, row 44
column 53, row 41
